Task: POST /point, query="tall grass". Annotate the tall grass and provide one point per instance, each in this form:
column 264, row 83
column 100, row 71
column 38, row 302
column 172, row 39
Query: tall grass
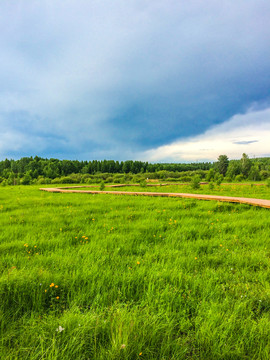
column 132, row 278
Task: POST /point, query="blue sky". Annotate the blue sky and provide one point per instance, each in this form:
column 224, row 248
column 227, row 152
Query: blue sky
column 146, row 80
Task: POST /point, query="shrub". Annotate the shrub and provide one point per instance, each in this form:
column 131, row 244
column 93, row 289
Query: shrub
column 102, row 186
column 185, row 179
column 211, row 186
column 26, row 180
column 143, row 183
column 67, row 180
column 219, row 180
column 239, row 178
column 109, row 179
column 264, row 174
column 228, row 179
column 195, row 182
column 44, row 180
column 4, row 182
column 56, row 181
column 173, row 179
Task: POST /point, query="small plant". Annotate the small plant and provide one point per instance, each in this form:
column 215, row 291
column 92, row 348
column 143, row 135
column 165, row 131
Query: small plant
column 211, row 186
column 268, row 182
column 102, row 186
column 143, row 183
column 195, row 182
column 219, row 179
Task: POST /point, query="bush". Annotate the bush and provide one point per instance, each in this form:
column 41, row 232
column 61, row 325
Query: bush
column 109, row 179
column 143, row 183
column 195, row 182
column 44, row 180
column 102, row 186
column 56, row 180
column 67, row 180
column 219, row 180
column 4, row 182
column 92, row 181
column 173, row 179
column 185, row 179
column 85, row 178
column 211, row 186
column 128, row 177
column 239, row 178
column 264, row 174
column 210, row 175
column 26, row 180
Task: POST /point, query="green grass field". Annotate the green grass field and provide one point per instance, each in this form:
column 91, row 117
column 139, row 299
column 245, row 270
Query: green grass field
column 260, row 191
column 119, row 277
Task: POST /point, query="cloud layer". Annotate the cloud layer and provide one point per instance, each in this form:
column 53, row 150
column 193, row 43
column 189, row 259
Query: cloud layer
column 248, row 133
column 111, row 79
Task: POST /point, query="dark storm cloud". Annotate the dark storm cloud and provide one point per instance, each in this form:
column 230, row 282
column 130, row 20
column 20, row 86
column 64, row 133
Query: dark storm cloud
column 110, row 79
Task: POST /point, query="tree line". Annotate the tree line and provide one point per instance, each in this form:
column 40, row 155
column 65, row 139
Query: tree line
column 36, row 169
column 54, row 168
column 252, row 169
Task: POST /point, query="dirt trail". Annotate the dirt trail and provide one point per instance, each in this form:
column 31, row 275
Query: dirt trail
column 242, row 200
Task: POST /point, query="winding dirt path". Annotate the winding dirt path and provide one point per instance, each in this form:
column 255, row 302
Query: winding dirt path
column 242, row 200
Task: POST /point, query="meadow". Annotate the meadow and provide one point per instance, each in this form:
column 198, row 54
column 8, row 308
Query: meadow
column 118, row 277
column 249, row 190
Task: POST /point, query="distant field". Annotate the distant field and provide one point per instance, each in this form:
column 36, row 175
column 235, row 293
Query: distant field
column 118, row 277
column 252, row 190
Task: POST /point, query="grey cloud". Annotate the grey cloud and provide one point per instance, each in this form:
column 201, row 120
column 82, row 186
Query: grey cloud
column 245, row 142
column 114, row 77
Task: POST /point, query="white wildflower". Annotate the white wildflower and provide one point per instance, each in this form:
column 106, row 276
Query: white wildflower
column 60, row 329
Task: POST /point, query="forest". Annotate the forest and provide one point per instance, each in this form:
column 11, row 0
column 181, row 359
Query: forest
column 29, row 170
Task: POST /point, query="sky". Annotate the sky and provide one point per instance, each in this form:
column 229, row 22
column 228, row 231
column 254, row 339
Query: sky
column 152, row 80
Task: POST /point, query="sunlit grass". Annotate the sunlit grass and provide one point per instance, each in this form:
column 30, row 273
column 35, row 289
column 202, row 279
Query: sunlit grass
column 261, row 191
column 117, row 277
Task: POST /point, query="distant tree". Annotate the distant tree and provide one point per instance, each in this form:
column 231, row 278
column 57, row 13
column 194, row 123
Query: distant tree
column 254, row 173
column 234, row 168
column 245, row 165
column 264, row 174
column 210, row 175
column 127, row 166
column 26, row 180
column 11, row 178
column 222, row 164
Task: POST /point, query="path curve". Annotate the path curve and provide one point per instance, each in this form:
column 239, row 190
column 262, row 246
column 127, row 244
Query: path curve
column 241, row 200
